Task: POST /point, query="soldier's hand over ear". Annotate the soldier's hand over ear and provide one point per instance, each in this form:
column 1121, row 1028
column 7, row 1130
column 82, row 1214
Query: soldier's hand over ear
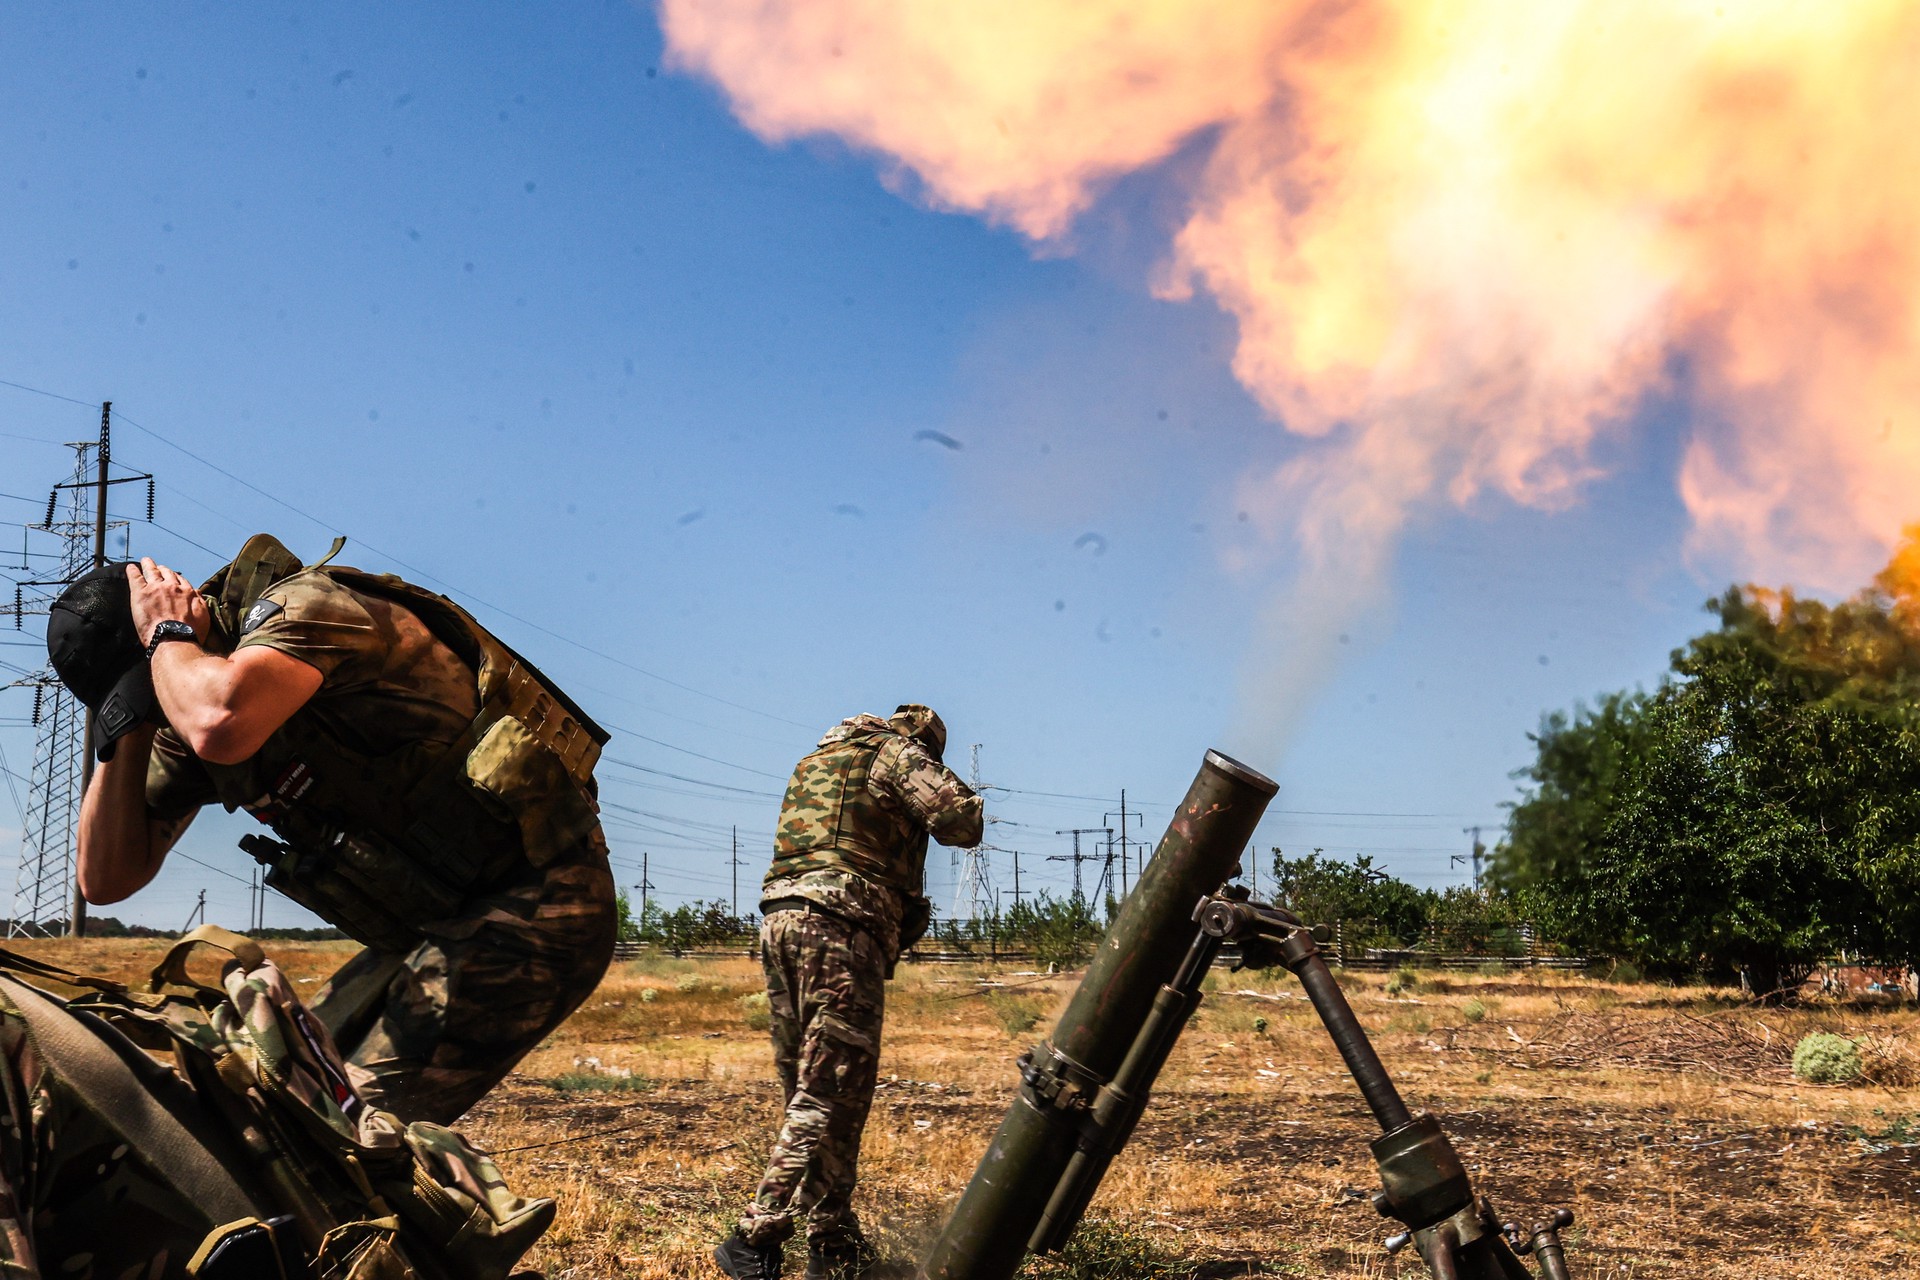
column 159, row 593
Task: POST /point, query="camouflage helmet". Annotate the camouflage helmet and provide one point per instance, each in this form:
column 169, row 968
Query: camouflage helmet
column 921, row 723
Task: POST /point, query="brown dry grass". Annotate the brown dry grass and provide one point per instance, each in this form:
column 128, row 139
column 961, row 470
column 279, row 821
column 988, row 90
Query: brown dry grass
column 1664, row 1117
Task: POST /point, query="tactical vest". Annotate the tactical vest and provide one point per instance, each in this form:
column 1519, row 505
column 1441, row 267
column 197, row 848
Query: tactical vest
column 830, row 820
column 381, row 844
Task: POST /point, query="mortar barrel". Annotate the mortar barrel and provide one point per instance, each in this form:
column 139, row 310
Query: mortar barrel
column 987, row 1235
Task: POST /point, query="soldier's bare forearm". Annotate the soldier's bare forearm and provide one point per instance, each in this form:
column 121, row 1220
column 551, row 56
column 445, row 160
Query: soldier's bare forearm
column 118, row 853
column 225, row 708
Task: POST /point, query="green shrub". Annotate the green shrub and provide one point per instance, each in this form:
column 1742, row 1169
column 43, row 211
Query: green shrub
column 753, row 1007
column 689, row 982
column 1102, row 1249
column 1017, row 1015
column 1824, row 1058
column 1403, row 979
column 598, row 1082
column 1259, row 1026
column 1474, row 1010
column 649, row 994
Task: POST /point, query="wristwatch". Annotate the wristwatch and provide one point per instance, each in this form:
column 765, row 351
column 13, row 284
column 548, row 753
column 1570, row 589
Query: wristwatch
column 169, row 629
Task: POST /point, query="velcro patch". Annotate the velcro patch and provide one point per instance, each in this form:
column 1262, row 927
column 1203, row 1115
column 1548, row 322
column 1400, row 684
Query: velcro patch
column 258, row 615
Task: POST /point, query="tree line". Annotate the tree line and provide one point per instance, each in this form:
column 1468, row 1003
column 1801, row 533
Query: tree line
column 1755, row 812
column 1056, row 931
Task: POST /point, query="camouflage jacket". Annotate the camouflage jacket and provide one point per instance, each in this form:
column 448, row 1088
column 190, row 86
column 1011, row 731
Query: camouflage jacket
column 855, row 821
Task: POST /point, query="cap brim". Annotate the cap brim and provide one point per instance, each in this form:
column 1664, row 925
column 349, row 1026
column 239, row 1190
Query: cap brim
column 127, row 706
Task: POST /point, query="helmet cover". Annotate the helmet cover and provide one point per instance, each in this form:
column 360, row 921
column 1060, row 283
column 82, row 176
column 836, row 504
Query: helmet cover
column 923, row 725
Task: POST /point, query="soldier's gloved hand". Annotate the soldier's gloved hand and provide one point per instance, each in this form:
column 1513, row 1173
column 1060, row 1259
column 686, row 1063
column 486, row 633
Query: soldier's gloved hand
column 915, row 916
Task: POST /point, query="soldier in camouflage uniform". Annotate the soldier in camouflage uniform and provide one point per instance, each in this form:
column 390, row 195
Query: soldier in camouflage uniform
column 841, row 902
column 432, row 795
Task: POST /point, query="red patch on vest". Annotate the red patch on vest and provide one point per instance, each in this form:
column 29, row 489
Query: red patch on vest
column 293, row 783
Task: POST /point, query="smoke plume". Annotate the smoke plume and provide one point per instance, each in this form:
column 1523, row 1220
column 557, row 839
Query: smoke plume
column 1462, row 239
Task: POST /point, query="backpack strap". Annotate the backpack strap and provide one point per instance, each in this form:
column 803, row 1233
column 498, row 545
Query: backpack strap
column 172, row 968
column 339, row 544
column 80, row 1052
column 42, row 969
column 260, row 564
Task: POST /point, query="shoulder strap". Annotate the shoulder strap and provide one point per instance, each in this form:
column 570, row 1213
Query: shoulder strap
column 42, row 969
column 172, row 968
column 509, row 684
column 80, row 1053
column 260, row 564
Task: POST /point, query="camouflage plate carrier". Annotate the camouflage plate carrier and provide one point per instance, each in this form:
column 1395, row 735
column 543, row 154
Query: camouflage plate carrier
column 831, row 819
column 203, row 1131
column 378, row 863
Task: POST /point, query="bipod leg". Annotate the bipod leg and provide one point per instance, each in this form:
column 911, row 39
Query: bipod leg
column 1424, row 1185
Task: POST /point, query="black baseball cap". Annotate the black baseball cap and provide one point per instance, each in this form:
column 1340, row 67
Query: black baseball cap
column 97, row 654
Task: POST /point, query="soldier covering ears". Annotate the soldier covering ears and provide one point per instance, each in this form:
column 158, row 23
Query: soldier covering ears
column 430, row 792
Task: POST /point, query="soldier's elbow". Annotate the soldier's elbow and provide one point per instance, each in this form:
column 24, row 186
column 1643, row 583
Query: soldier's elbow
column 962, row 832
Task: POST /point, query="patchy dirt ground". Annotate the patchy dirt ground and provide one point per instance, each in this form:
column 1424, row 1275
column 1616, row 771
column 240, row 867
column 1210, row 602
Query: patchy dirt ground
column 1664, row 1117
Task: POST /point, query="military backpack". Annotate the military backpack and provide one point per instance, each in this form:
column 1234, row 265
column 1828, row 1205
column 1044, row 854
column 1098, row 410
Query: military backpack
column 202, row 1130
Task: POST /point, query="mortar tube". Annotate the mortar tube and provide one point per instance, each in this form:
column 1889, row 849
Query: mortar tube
column 987, row 1235
column 1120, row 1105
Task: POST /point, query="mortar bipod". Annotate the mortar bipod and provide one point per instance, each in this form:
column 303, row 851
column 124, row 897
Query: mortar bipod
column 1424, row 1186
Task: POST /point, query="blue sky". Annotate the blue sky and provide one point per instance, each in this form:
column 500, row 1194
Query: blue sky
column 530, row 319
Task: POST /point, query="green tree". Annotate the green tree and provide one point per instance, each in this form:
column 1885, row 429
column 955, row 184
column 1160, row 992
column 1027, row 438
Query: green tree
column 1327, row 891
column 1059, row 931
column 1757, row 811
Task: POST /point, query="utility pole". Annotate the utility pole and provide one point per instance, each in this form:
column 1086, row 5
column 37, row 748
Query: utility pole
column 1479, row 852
column 972, row 885
column 45, row 886
column 734, row 862
column 1125, row 844
column 645, row 886
column 103, row 454
column 1016, row 878
column 1076, row 857
column 199, row 912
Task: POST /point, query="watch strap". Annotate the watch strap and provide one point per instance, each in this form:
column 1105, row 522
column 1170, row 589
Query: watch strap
column 169, row 629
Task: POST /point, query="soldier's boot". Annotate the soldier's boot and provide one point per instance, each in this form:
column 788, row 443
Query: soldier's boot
column 744, row 1260
column 845, row 1255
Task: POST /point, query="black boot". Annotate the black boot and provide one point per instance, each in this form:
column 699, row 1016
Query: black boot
column 744, row 1261
column 842, row 1256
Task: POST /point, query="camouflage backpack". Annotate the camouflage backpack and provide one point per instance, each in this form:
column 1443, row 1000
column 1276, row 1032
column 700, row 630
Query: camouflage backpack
column 202, row 1131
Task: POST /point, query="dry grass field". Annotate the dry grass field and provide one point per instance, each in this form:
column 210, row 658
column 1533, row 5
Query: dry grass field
column 1666, row 1118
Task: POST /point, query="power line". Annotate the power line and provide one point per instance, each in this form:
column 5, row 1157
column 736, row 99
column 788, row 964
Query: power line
column 464, row 594
column 412, row 568
column 51, row 395
column 701, row 782
column 632, row 733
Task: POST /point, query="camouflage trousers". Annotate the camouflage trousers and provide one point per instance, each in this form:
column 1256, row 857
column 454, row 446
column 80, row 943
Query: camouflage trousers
column 826, row 991
column 427, row 1034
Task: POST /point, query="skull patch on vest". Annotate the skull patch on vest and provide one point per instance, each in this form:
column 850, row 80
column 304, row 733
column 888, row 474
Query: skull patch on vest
column 258, row 615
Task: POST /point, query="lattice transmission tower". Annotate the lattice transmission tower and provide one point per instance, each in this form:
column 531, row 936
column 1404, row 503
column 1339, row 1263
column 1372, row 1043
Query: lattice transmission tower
column 973, row 887
column 46, row 899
